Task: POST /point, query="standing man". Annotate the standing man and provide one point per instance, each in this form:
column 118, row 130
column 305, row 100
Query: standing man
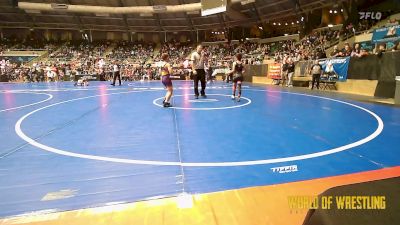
column 116, row 74
column 316, row 72
column 284, row 70
column 290, row 71
column 197, row 59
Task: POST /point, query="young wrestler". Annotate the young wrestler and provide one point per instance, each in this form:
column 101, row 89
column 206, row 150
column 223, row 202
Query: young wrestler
column 237, row 70
column 166, row 71
column 83, row 81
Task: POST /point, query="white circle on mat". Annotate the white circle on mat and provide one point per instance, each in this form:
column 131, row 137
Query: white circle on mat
column 23, row 106
column 362, row 141
column 247, row 102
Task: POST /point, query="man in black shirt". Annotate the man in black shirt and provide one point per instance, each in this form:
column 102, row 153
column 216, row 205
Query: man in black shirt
column 284, row 70
column 316, row 72
column 290, row 71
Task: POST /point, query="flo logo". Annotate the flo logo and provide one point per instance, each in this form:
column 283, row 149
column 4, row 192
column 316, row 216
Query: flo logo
column 370, row 15
column 285, row 169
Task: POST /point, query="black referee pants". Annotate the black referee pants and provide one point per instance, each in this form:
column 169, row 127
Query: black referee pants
column 200, row 76
column 117, row 74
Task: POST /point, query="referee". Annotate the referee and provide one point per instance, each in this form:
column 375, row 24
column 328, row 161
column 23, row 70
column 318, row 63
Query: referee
column 199, row 74
column 116, row 74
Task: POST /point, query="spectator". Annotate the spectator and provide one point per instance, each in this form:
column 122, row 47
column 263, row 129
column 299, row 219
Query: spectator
column 381, row 49
column 346, row 50
column 336, row 52
column 290, row 69
column 356, row 50
column 396, row 47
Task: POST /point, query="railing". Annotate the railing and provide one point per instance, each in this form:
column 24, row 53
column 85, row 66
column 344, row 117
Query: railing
column 27, row 49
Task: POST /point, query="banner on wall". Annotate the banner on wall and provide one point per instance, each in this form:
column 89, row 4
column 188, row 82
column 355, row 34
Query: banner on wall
column 386, row 34
column 274, row 71
column 18, row 59
column 367, row 45
column 338, row 66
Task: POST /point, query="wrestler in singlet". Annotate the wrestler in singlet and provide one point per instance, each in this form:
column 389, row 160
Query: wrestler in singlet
column 237, row 70
column 165, row 72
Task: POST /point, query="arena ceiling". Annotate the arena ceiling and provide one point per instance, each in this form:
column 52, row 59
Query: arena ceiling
column 260, row 12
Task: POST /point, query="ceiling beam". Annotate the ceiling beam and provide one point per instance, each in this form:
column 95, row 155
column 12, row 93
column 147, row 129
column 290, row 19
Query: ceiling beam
column 260, row 21
column 28, row 18
column 151, row 3
column 124, row 18
column 222, row 21
column 188, row 18
column 267, row 5
column 77, row 18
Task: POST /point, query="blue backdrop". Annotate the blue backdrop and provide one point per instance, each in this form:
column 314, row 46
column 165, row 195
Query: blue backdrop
column 339, row 66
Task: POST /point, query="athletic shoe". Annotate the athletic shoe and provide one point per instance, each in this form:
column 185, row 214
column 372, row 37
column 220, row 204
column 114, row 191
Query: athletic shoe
column 112, row 84
column 204, row 96
column 233, row 97
column 238, row 99
column 196, row 97
column 167, row 104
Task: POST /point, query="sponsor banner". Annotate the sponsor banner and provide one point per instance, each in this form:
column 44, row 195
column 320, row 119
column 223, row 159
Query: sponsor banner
column 386, row 34
column 338, row 66
column 367, row 45
column 18, row 59
column 274, row 71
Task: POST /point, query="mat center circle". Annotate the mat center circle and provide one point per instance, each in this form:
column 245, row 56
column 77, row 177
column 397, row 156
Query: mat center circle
column 211, row 102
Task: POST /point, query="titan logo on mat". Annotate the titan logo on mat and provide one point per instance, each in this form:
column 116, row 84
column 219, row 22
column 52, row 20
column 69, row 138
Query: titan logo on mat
column 285, row 169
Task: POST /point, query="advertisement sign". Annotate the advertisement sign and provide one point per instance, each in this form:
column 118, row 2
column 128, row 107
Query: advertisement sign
column 386, row 34
column 274, row 71
column 367, row 45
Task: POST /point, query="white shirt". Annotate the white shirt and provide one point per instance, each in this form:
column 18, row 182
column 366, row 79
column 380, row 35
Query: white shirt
column 197, row 61
column 101, row 63
column 186, row 64
column 116, row 69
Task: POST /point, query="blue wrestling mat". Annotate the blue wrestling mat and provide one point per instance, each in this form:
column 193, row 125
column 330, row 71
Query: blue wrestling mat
column 64, row 147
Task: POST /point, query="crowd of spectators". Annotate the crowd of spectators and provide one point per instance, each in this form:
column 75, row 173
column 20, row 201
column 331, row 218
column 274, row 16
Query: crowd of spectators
column 178, row 52
column 138, row 60
column 132, row 52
